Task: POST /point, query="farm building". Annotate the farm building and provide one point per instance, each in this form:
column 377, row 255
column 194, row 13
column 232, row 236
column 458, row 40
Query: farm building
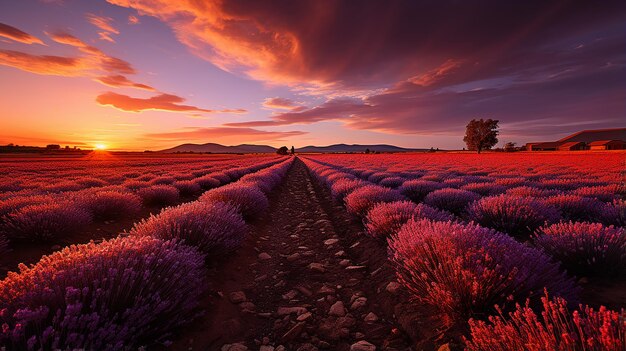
column 607, row 145
column 547, row 146
column 572, row 145
column 599, row 139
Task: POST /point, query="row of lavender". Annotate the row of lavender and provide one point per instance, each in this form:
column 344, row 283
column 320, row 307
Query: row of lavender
column 50, row 216
column 133, row 290
column 465, row 270
column 43, row 175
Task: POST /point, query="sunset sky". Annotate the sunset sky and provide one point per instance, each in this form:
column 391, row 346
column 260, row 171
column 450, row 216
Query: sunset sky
column 151, row 74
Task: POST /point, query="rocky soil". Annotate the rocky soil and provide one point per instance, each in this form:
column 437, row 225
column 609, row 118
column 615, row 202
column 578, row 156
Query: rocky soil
column 306, row 279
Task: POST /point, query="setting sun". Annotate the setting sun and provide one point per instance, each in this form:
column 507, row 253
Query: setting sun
column 100, row 147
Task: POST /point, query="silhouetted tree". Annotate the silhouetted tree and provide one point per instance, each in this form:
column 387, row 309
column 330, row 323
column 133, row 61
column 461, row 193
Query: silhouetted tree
column 481, row 134
column 367, row 151
column 282, row 150
column 293, row 150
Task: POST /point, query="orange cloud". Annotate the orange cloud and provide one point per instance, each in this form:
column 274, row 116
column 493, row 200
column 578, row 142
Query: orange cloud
column 104, row 24
column 133, row 19
column 219, row 36
column 45, row 64
column 227, row 133
column 162, row 102
column 437, row 74
column 18, row 35
column 282, row 104
column 122, row 81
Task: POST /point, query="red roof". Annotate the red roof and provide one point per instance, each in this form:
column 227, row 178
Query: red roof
column 604, row 142
column 589, row 136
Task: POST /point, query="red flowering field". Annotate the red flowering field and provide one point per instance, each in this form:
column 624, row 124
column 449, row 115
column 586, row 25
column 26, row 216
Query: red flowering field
column 428, row 251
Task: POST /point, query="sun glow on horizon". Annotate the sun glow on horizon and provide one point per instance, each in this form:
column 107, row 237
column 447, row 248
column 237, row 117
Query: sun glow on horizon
column 100, row 146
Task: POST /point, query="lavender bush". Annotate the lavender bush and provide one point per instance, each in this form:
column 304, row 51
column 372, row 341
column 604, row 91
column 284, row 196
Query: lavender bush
column 250, row 201
column 514, row 215
column 417, row 189
column 207, row 182
column 344, row 186
column 556, row 329
column 465, row 269
column 187, row 187
column 46, row 221
column 119, row 294
column 361, row 200
column 106, row 205
column 385, row 219
column 159, row 195
column 423, row 211
column 215, row 228
column 586, row 248
column 577, row 208
column 452, row 200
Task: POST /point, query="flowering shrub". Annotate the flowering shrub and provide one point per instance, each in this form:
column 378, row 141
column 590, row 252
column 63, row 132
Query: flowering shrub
column 135, row 185
column 485, row 189
column 207, row 182
column 105, row 205
column 250, row 201
column 364, row 198
column 378, row 176
column 464, row 269
column 517, row 216
column 417, row 189
column 15, row 203
column 215, row 228
column 453, row 200
column 119, row 294
column 577, row 208
column 187, row 187
column 63, row 186
column 89, row 182
column 605, row 193
column 557, row 329
column 385, row 219
column 615, row 213
column 159, row 195
column 530, row 191
column 423, row 211
column 392, row 182
column 585, row 248
column 162, row 180
column 221, row 177
column 46, row 221
column 343, row 187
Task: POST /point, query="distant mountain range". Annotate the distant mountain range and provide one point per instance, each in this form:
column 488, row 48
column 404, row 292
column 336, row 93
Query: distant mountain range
column 249, row 149
column 355, row 148
column 221, row 149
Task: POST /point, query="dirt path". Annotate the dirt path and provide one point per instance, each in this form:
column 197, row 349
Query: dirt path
column 298, row 283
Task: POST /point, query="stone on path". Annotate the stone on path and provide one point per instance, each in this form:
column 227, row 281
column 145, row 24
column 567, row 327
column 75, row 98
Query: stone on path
column 337, row 309
column 362, row 346
column 237, row 297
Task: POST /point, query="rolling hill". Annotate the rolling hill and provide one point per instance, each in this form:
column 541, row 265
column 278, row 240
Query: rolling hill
column 250, row 148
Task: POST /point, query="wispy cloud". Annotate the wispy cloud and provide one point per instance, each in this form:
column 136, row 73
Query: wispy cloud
column 161, row 102
column 228, row 133
column 122, row 81
column 105, row 25
column 18, row 35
